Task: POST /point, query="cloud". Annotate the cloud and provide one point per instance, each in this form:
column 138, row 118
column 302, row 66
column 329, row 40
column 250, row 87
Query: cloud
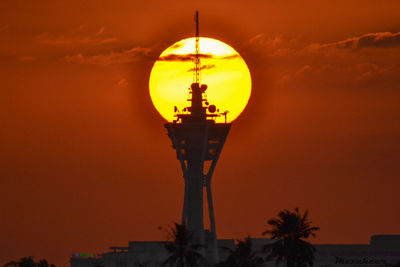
column 26, row 58
column 122, row 83
column 136, row 54
column 276, row 46
column 284, row 47
column 233, row 56
column 362, row 61
column 177, row 45
column 203, row 67
column 303, row 70
column 276, row 41
column 190, row 57
column 120, row 57
column 368, row 71
column 368, row 40
column 79, row 36
column 379, row 40
column 182, row 57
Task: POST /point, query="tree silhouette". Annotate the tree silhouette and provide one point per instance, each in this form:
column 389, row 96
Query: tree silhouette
column 182, row 252
column 242, row 255
column 393, row 265
column 289, row 230
column 44, row 263
column 28, row 262
column 11, row 263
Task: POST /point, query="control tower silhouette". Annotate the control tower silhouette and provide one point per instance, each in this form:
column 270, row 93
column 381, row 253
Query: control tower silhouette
column 198, row 141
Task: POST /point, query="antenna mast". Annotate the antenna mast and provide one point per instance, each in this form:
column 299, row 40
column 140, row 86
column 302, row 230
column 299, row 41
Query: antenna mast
column 197, row 51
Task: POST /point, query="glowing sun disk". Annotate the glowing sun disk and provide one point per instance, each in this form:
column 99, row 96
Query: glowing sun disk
column 222, row 69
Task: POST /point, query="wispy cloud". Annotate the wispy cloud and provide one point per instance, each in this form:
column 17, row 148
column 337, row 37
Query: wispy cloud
column 361, row 60
column 77, row 37
column 177, row 45
column 26, row 58
column 280, row 46
column 276, row 46
column 115, row 57
column 122, row 83
column 183, row 57
column 191, row 56
column 203, row 67
column 378, row 40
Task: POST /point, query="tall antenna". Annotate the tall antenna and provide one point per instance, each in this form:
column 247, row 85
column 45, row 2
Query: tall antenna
column 197, row 51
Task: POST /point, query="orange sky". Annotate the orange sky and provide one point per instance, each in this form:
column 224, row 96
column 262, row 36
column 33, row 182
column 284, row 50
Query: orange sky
column 85, row 160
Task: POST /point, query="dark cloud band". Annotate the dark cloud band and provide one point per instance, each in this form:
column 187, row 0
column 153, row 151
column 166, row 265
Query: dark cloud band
column 189, row 57
column 204, row 67
column 378, row 40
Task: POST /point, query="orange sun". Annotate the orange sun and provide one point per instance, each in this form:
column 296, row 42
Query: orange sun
column 222, row 69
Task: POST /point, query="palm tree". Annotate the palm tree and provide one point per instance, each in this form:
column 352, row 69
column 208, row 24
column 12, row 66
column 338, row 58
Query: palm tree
column 290, row 230
column 181, row 249
column 242, row 255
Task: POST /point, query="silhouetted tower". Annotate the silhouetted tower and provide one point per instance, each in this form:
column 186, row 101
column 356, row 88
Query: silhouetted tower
column 198, row 141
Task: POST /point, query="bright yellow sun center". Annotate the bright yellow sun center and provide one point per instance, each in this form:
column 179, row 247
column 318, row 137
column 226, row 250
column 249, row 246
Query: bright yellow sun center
column 222, row 69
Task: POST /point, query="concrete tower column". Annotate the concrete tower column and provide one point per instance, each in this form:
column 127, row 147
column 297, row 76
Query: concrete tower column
column 195, row 216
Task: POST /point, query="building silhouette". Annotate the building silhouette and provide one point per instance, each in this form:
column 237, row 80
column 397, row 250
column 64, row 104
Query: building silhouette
column 381, row 251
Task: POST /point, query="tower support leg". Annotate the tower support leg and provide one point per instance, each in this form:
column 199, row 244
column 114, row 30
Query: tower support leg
column 213, row 246
column 195, row 218
column 185, row 204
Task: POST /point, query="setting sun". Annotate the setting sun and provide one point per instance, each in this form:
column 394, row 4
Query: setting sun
column 222, row 69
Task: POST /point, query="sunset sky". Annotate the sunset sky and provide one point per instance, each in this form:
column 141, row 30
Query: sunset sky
column 85, row 160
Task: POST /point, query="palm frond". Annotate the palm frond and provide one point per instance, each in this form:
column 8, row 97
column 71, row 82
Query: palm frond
column 181, row 250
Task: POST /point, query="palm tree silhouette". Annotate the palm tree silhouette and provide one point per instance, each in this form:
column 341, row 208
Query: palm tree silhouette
column 242, row 255
column 289, row 230
column 182, row 252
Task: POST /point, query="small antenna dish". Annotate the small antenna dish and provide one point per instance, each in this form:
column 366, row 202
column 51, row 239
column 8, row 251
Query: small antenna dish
column 212, row 108
column 175, row 109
